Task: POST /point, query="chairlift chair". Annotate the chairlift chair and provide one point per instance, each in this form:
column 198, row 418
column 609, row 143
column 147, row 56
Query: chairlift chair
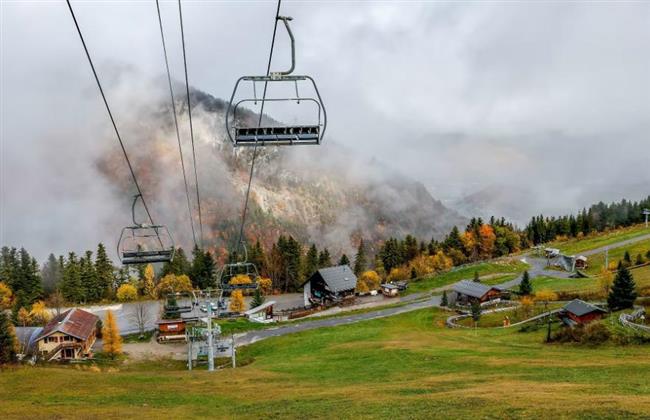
column 231, row 270
column 143, row 243
column 243, row 134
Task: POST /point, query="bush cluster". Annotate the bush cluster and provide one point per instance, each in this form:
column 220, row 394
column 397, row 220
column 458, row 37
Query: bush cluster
column 592, row 334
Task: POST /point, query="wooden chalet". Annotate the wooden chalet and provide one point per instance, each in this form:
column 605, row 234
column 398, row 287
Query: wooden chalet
column 580, row 312
column 466, row 292
column 330, row 285
column 68, row 336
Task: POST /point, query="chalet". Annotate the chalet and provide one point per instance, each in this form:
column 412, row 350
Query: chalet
column 466, row 292
column 580, row 262
column 262, row 313
column 389, row 289
column 580, row 312
column 68, row 336
column 330, row 285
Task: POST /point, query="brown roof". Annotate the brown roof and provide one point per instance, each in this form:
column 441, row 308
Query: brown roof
column 75, row 322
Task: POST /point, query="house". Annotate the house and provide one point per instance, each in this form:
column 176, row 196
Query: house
column 551, row 252
column 262, row 313
column 389, row 290
column 330, row 285
column 580, row 312
column 68, row 336
column 466, row 292
column 580, row 262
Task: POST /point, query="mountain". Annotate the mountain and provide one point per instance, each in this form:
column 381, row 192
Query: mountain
column 324, row 194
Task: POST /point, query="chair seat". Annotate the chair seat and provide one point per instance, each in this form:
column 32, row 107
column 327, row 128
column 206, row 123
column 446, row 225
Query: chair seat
column 287, row 135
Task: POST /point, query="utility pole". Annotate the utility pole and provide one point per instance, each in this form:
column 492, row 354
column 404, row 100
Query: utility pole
column 646, row 213
column 210, row 340
column 233, row 351
column 606, row 258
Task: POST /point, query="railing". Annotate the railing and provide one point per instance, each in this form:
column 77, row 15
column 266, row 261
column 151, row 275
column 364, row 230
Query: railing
column 627, row 320
column 58, row 348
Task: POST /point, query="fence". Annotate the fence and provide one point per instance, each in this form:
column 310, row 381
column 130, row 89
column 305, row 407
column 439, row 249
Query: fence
column 627, row 320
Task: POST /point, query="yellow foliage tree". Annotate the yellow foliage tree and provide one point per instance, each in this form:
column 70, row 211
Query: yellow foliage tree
column 241, row 279
column 423, row 265
column 5, row 296
column 172, row 283
column 487, row 238
column 440, row 262
column 527, row 304
column 148, row 285
column 369, row 280
column 39, row 313
column 266, row 285
column 237, row 301
column 545, row 296
column 126, row 293
column 605, row 282
column 398, row 274
column 23, row 317
column 112, row 342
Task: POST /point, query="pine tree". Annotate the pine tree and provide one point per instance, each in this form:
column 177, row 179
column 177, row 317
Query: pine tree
column 361, row 259
column 8, row 340
column 627, row 258
column 525, row 287
column 623, row 292
column 112, row 342
column 71, row 286
column 92, row 290
column 477, row 279
column 639, row 259
column 324, row 259
column 51, row 273
column 444, row 301
column 344, row 260
column 202, row 269
column 311, row 261
column 414, row 273
column 178, row 266
column 105, row 273
column 476, row 311
column 258, row 298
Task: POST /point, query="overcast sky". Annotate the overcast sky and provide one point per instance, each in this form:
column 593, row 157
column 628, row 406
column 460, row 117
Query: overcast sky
column 548, row 97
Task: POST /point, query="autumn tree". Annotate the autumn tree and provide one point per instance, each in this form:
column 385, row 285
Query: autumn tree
column 126, row 293
column 39, row 314
column 147, row 287
column 487, row 239
column 112, row 341
column 22, row 317
column 173, row 284
column 266, row 285
column 237, row 301
column 370, row 279
column 5, row 296
column 240, row 279
column 605, row 282
column 8, row 340
column 545, row 296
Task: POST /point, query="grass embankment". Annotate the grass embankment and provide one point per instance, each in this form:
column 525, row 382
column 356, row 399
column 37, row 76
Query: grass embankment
column 577, row 245
column 495, row 319
column 597, row 261
column 406, row 366
column 505, row 268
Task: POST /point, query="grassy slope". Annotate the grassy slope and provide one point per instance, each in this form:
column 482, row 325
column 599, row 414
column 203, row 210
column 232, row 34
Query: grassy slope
column 405, row 366
column 576, row 246
column 596, row 262
column 467, row 273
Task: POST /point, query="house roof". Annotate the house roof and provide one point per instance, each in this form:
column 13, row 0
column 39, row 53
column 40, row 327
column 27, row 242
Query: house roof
column 580, row 307
column 259, row 308
column 581, row 258
column 389, row 286
column 336, row 278
column 75, row 322
column 472, row 288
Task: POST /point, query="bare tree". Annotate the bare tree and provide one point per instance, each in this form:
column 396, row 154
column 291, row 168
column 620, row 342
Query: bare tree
column 56, row 301
column 140, row 316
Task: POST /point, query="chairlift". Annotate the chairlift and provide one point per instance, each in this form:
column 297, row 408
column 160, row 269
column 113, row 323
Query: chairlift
column 143, row 243
column 231, row 270
column 238, row 127
column 173, row 307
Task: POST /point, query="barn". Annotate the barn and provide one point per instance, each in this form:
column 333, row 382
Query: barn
column 330, row 285
column 466, row 291
column 580, row 312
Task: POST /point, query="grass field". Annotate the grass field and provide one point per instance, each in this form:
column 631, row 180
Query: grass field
column 406, row 366
column 597, row 262
column 576, row 246
column 501, row 267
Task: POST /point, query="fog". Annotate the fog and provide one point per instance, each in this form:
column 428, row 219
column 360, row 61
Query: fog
column 546, row 101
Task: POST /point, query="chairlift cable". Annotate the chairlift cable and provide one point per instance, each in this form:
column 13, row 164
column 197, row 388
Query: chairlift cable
column 110, row 114
column 178, row 137
column 189, row 111
column 259, row 123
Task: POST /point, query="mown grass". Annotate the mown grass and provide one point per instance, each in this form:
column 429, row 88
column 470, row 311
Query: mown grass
column 406, row 366
column 597, row 262
column 578, row 245
column 504, row 267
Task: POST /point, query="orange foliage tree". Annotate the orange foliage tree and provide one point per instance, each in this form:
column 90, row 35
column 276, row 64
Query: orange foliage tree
column 112, row 342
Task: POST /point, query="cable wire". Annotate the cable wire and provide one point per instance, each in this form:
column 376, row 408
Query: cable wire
column 189, row 111
column 178, row 137
column 259, row 123
column 110, row 114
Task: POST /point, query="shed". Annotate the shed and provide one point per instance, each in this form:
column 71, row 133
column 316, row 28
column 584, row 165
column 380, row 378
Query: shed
column 329, row 285
column 467, row 291
column 389, row 290
column 580, row 312
column 262, row 313
column 580, row 262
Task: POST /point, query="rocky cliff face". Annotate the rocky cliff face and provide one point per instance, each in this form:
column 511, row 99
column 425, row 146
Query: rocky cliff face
column 323, row 194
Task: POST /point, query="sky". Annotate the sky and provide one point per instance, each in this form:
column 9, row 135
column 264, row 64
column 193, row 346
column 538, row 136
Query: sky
column 547, row 100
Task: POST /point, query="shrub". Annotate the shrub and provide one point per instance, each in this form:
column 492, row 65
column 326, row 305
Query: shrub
column 126, row 293
column 173, row 284
column 591, row 334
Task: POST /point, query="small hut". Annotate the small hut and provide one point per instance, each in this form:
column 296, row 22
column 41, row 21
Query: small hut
column 580, row 312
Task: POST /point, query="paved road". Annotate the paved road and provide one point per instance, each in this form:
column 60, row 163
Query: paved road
column 616, row 245
column 254, row 336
